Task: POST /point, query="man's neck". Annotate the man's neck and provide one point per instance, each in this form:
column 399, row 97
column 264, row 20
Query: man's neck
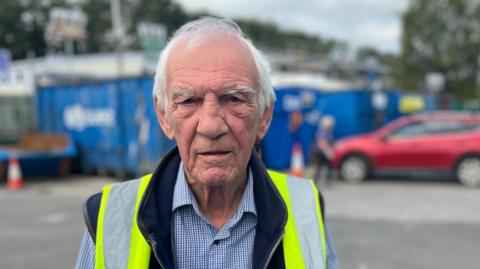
column 219, row 204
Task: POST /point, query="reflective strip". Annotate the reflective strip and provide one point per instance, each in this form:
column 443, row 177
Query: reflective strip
column 304, row 240
column 118, row 220
column 99, row 237
column 304, row 201
column 139, row 248
column 291, row 246
column 320, row 220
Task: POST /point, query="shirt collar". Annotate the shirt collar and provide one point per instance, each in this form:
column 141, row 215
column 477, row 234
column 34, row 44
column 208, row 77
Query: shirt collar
column 182, row 194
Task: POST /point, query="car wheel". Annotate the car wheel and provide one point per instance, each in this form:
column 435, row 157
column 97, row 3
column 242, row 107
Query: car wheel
column 468, row 172
column 354, row 169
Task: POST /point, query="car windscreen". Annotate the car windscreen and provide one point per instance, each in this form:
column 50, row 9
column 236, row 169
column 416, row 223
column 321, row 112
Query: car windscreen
column 411, row 129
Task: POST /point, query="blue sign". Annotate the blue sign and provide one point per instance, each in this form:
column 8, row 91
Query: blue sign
column 5, row 58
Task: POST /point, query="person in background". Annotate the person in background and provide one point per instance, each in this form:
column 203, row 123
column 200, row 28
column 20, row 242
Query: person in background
column 323, row 149
column 210, row 203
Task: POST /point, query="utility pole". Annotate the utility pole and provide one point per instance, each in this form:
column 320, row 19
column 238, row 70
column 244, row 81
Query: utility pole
column 118, row 33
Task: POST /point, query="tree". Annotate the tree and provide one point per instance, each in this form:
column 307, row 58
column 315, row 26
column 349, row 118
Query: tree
column 440, row 36
column 269, row 35
column 23, row 23
column 166, row 12
column 133, row 11
column 22, row 26
column 366, row 54
column 98, row 26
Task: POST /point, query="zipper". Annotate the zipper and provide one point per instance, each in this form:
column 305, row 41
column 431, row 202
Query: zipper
column 275, row 190
column 151, row 241
column 154, row 250
column 149, row 238
column 273, row 250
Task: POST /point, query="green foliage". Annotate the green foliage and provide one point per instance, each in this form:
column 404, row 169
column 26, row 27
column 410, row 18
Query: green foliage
column 440, row 36
column 166, row 12
column 365, row 54
column 21, row 28
column 99, row 23
column 23, row 23
column 268, row 34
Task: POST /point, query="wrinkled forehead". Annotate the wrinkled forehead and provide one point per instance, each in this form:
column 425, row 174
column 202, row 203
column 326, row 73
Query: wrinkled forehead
column 207, row 35
column 212, row 51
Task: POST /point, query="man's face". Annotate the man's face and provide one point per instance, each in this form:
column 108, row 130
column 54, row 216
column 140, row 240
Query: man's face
column 212, row 111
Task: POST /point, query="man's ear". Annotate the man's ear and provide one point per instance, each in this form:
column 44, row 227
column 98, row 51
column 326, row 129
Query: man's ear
column 265, row 123
column 162, row 119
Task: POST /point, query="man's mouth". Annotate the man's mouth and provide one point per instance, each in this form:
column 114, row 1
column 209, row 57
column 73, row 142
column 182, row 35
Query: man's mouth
column 214, row 153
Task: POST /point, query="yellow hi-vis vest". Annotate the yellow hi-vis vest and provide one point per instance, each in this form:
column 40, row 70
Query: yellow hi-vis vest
column 120, row 244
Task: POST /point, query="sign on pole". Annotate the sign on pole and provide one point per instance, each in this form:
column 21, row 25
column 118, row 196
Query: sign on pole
column 5, row 59
column 152, row 38
column 66, row 24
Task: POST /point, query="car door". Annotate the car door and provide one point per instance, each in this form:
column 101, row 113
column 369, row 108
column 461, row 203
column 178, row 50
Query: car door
column 446, row 138
column 403, row 147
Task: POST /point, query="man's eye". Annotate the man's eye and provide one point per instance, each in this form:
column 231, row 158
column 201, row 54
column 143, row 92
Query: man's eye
column 189, row 101
column 234, row 99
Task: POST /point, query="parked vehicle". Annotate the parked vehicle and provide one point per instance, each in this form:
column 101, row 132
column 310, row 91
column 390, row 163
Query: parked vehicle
column 448, row 141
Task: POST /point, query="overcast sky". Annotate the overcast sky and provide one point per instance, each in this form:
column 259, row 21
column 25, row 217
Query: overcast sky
column 373, row 23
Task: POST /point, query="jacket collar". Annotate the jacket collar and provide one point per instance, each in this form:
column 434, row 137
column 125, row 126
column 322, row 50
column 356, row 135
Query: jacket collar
column 155, row 211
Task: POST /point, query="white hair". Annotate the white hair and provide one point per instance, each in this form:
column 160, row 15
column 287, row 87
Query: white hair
column 201, row 30
column 327, row 121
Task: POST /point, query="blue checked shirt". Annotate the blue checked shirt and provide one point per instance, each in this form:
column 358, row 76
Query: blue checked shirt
column 196, row 242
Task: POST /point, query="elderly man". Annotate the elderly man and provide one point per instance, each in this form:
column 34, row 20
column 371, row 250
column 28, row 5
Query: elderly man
column 210, row 203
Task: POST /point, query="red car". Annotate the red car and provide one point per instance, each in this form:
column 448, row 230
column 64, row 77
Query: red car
column 447, row 141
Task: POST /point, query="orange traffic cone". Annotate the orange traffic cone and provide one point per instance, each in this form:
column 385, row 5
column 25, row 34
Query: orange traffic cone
column 297, row 165
column 15, row 180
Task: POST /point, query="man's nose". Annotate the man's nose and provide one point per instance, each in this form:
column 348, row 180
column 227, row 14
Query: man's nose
column 211, row 122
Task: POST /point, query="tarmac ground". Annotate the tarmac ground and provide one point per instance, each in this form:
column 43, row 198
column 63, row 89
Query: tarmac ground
column 379, row 224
